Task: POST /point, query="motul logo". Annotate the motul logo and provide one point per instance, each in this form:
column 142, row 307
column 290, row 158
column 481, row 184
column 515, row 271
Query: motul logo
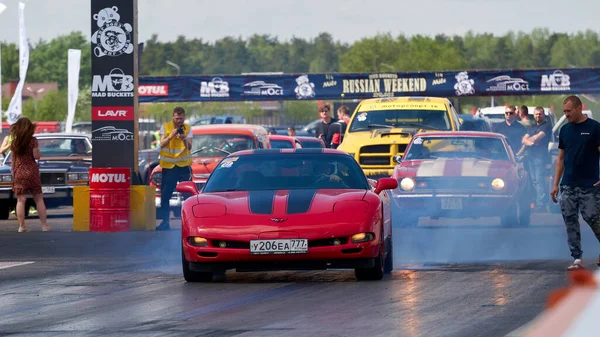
column 108, row 178
column 153, row 90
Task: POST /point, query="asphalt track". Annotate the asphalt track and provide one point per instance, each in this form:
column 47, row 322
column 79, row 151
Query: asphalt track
column 451, row 278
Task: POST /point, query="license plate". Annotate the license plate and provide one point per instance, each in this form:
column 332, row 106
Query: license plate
column 48, row 189
column 279, row 246
column 452, row 203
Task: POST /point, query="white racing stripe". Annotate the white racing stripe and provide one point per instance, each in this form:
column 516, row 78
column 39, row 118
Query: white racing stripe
column 433, row 168
column 475, row 168
column 586, row 323
column 6, row 265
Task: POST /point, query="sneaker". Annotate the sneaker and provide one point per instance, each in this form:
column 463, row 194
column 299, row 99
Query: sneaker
column 164, row 226
column 576, row 265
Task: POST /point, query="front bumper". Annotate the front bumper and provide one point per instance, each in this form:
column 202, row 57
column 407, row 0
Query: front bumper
column 458, row 205
column 53, row 195
column 349, row 255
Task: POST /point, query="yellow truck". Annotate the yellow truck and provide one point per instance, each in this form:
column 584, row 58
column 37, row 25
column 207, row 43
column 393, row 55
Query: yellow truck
column 381, row 128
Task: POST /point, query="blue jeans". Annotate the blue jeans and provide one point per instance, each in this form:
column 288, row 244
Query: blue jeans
column 537, row 171
column 170, row 178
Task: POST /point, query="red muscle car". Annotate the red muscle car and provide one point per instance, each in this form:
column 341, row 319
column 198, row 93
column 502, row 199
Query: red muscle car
column 287, row 209
column 461, row 174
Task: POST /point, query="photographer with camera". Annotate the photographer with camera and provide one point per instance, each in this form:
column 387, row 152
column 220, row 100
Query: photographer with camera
column 175, row 160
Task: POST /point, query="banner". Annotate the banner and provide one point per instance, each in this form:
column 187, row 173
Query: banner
column 14, row 110
column 114, row 50
column 74, row 60
column 369, row 85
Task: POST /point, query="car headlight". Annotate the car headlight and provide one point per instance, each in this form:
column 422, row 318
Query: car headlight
column 157, row 178
column 362, row 237
column 6, row 178
column 498, row 184
column 77, row 176
column 407, row 184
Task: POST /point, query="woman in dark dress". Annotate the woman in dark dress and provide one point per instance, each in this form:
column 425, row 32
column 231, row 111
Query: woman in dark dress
column 26, row 173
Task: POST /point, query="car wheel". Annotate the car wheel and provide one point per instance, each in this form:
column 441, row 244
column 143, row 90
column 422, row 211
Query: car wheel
column 193, row 276
column 388, row 265
column 524, row 214
column 512, row 217
column 4, row 211
column 374, row 273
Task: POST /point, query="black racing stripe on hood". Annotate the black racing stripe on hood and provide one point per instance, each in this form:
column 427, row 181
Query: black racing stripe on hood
column 261, row 202
column 299, row 201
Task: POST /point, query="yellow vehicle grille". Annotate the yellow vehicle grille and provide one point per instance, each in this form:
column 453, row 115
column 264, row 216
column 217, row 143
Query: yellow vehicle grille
column 380, row 155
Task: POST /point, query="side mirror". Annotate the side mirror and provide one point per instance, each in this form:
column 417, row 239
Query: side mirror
column 397, row 158
column 386, row 184
column 188, row 187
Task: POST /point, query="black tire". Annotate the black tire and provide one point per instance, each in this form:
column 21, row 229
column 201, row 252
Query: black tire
column 511, row 218
column 524, row 214
column 4, row 211
column 388, row 265
column 372, row 274
column 193, row 276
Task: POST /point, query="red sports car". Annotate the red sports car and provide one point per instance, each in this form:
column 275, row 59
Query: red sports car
column 461, row 174
column 287, row 209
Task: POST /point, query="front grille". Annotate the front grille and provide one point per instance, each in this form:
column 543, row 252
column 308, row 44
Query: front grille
column 375, row 149
column 379, row 160
column 454, row 183
column 402, row 148
column 53, row 178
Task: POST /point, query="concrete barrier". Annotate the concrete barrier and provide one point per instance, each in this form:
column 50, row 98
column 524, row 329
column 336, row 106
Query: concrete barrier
column 142, row 212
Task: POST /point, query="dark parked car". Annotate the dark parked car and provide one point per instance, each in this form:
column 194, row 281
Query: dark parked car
column 475, row 123
column 147, row 161
column 64, row 163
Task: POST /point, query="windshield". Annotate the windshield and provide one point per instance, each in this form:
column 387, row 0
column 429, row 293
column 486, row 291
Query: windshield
column 281, row 144
column 62, row 147
column 220, row 145
column 423, row 119
column 286, row 172
column 457, row 147
column 311, row 145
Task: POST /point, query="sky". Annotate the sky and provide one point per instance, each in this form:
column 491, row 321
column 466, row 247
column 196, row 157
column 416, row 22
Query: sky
column 347, row 20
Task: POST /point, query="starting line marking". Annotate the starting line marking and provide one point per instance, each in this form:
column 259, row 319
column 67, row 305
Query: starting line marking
column 6, row 265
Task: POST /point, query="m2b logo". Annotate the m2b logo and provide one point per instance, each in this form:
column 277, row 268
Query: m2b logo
column 112, row 113
column 114, row 85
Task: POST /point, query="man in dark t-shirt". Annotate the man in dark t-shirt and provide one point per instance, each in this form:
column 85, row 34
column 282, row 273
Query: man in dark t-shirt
column 578, row 166
column 535, row 146
column 511, row 129
column 323, row 130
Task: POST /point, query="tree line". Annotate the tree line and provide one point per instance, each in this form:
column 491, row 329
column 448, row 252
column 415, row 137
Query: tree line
column 265, row 53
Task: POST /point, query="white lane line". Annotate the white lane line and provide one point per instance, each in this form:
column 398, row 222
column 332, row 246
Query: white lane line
column 6, row 265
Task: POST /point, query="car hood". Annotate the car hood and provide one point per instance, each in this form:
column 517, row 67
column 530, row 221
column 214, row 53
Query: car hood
column 281, row 202
column 203, row 166
column 444, row 167
column 383, row 136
